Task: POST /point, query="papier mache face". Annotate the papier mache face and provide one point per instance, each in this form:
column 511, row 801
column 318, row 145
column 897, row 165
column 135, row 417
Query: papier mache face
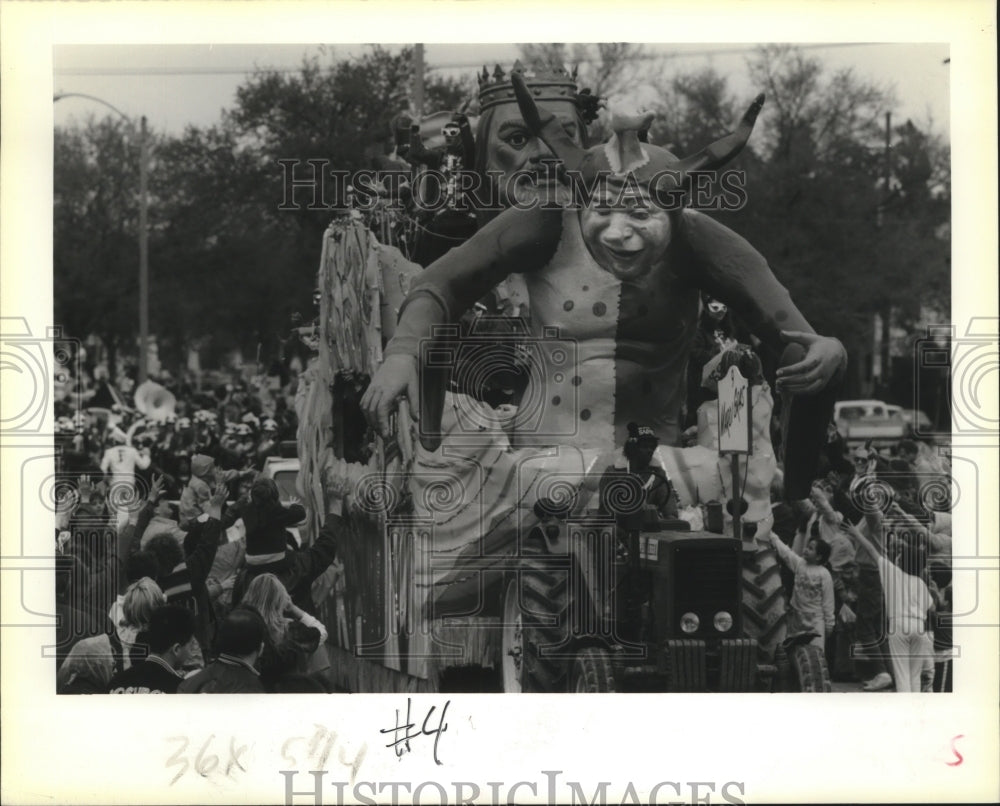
column 627, row 236
column 515, row 159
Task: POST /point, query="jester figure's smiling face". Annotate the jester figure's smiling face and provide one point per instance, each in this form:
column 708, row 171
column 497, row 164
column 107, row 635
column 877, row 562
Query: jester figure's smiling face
column 625, row 232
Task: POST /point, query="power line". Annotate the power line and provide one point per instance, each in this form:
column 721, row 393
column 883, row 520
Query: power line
column 464, row 65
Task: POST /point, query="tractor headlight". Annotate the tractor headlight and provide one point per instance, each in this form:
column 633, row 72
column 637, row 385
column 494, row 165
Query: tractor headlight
column 689, row 623
column 723, row 621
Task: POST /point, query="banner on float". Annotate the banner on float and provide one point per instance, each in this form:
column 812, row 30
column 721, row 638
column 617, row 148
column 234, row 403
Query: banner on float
column 734, row 413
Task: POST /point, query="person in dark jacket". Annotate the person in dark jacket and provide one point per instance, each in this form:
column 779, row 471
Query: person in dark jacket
column 170, row 638
column 239, row 644
column 267, row 520
column 268, row 551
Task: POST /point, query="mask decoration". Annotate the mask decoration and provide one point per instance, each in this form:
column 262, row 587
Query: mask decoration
column 661, row 174
column 715, row 308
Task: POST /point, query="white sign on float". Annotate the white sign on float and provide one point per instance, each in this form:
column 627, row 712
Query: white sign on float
column 734, row 413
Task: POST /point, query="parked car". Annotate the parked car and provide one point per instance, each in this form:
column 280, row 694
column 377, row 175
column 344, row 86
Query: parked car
column 859, row 421
column 917, row 421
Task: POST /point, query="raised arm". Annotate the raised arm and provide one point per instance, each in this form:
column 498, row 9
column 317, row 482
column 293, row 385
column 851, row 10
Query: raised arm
column 801, row 536
column 787, row 556
column 200, row 559
column 873, row 525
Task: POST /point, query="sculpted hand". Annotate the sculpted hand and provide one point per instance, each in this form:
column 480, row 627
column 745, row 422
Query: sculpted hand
column 397, row 376
column 824, row 356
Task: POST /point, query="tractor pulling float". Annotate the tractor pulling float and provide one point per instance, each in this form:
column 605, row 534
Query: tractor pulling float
column 575, row 602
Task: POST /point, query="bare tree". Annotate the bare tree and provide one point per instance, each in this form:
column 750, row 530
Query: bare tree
column 606, row 68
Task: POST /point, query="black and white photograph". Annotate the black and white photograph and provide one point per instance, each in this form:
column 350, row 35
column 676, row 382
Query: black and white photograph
column 440, row 371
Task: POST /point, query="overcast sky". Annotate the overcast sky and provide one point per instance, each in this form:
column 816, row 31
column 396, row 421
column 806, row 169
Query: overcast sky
column 180, row 85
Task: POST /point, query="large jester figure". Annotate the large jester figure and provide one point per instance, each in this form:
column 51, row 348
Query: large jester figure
column 613, row 287
column 618, row 276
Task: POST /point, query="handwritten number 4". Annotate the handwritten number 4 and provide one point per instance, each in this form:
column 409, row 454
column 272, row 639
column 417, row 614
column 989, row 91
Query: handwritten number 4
column 408, row 729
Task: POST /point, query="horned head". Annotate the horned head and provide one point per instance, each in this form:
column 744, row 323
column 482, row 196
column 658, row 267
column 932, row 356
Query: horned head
column 655, row 169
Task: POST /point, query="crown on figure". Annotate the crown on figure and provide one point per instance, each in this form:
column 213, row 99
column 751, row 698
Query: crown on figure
column 548, row 84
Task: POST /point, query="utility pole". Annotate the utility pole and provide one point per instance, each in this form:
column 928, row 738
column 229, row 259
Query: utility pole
column 418, row 80
column 887, row 308
column 143, row 254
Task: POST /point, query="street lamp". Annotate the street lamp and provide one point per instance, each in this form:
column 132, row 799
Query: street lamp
column 143, row 227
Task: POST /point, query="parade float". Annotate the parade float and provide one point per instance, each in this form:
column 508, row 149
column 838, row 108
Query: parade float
column 479, row 535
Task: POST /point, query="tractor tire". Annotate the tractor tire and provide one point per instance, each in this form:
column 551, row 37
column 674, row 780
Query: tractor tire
column 592, row 672
column 809, row 671
column 764, row 602
column 546, row 635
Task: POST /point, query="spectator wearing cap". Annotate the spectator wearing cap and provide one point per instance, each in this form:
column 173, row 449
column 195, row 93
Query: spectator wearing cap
column 238, row 645
column 170, row 640
column 198, row 490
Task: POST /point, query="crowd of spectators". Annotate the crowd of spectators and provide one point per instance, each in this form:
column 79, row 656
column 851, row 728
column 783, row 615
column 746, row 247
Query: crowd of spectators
column 176, row 567
column 868, row 559
column 176, row 570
